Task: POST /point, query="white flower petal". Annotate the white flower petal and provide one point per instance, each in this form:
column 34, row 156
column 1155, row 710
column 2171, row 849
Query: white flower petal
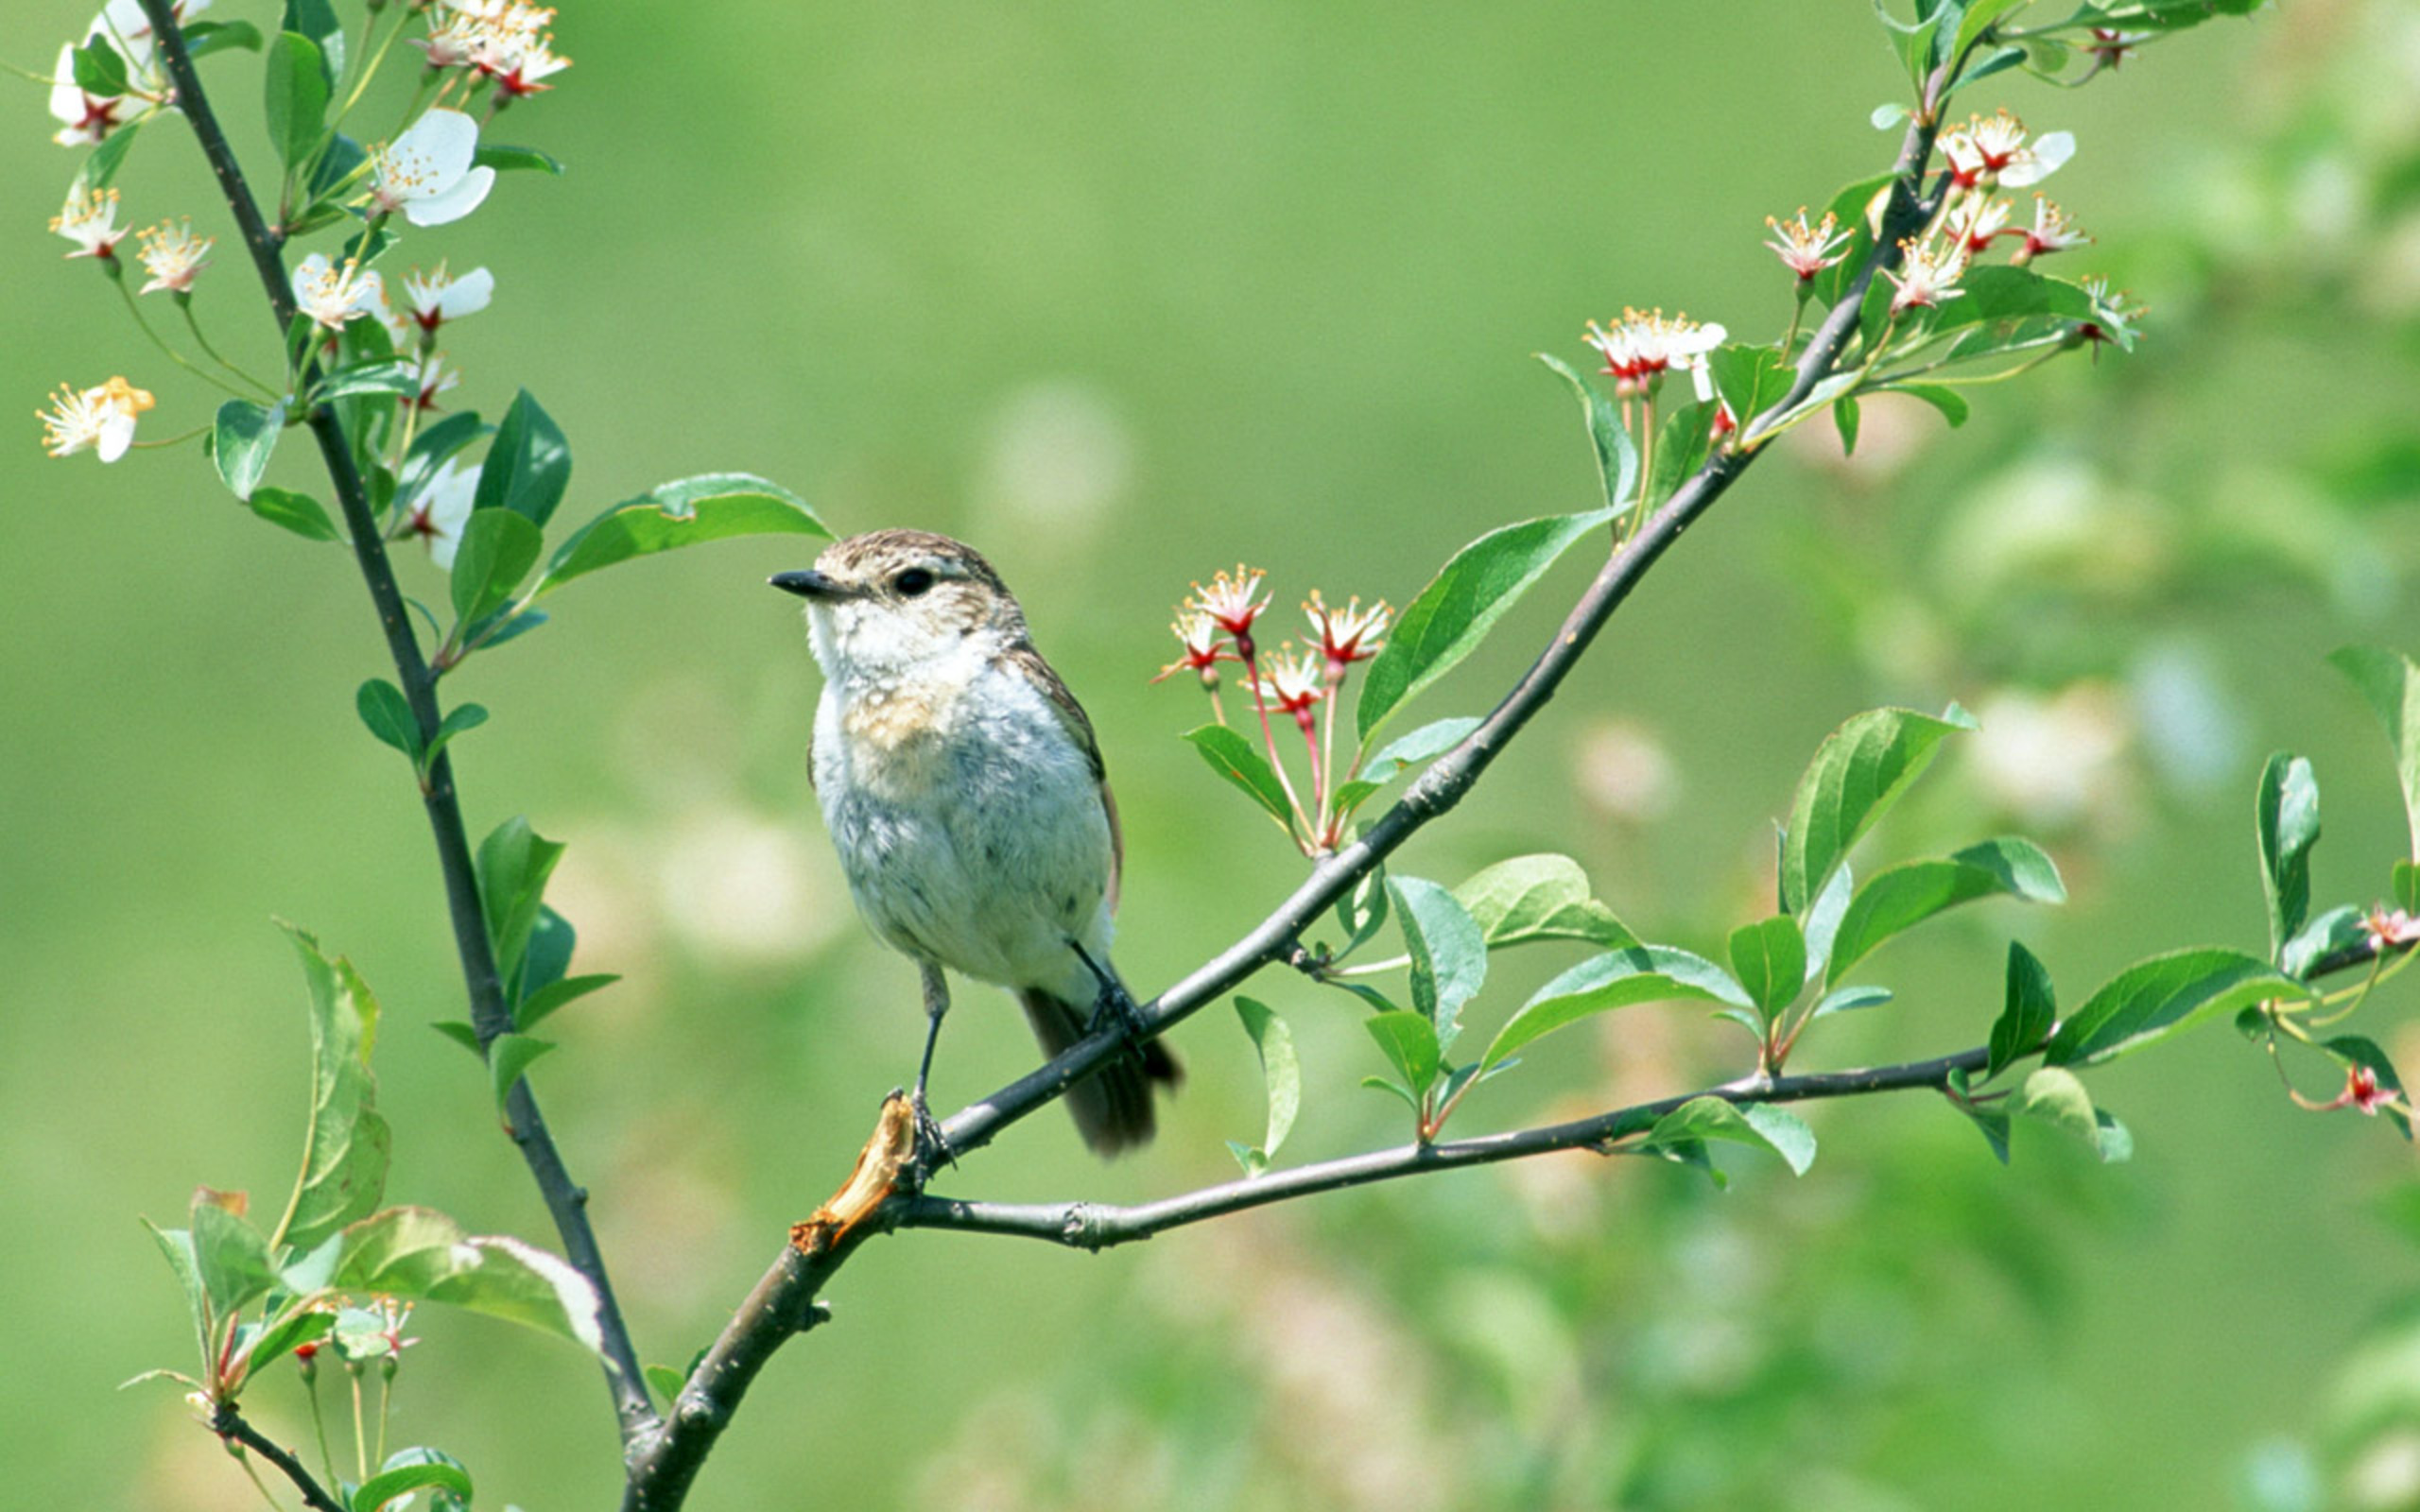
column 2048, row 155
column 454, row 202
column 66, row 100
column 444, row 141
column 469, row 293
column 117, row 435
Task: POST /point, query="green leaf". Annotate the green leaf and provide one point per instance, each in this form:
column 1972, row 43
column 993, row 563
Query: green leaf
column 100, row 70
column 317, row 20
column 299, row 1323
column 386, row 375
column 1538, row 898
column 176, row 1247
column 1848, row 999
column 433, row 447
column 529, row 468
column 533, row 1009
column 108, row 157
column 1427, row 743
column 716, row 506
column 1846, row 417
column 457, row 720
column 1681, row 446
column 461, row 1033
column 1760, row 1124
column 1453, row 614
column 401, row 1480
column 1232, row 757
column 2162, row 996
column 297, row 512
column 297, row 96
column 1380, row 1084
column 1951, row 404
column 202, row 38
column 552, row 940
column 1998, row 294
column 1750, row 379
column 2056, row 1096
column 497, row 550
column 1859, row 772
column 1409, row 1044
column 2286, row 820
column 1616, row 457
column 230, row 1256
column 1363, row 910
column 1900, row 897
column 514, row 862
column 1769, row 960
column 1887, row 114
column 2030, row 1013
column 1280, row 1071
column 508, row 1057
column 2338, row 929
column 666, row 1382
column 1641, row 973
column 1980, row 17
column 1824, row 918
column 2406, row 883
column 346, row 1144
column 1849, row 208
column 2392, row 685
column 2353, row 1050
column 1448, row 955
column 1912, row 44
column 1993, row 1122
column 383, row 708
column 416, row 1254
column 505, row 159
column 242, row 440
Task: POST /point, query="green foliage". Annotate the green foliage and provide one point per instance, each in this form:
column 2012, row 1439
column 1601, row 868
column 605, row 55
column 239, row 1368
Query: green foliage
column 1681, row 1134
column 1406, row 751
column 2164, row 996
column 538, row 1004
column 529, row 468
column 102, row 165
column 415, row 1254
column 383, row 375
column 1447, row 953
column 98, row 68
column 505, row 159
column 497, row 549
column 514, row 862
column 297, row 98
column 510, row 1055
column 384, row 709
column 1900, row 897
column 1769, row 960
column 202, row 38
column 1859, row 772
column 346, row 1147
column 409, row 1471
column 1452, row 615
column 713, row 507
column 2352, row 1050
column 2392, row 685
column 1533, row 898
column 297, row 512
column 2055, row 1095
column 2031, row 1011
column 1409, row 1041
column 1617, row 455
column 1273, row 1043
column 1236, row 760
column 1618, row 979
column 242, row 440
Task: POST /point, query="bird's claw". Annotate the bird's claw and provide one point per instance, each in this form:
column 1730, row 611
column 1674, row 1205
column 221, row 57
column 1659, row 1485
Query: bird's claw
column 1116, row 1010
column 932, row 1147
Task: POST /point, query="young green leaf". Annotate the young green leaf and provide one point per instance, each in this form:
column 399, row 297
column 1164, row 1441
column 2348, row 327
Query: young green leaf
column 533, row 1009
column 242, row 441
column 317, row 20
column 300, row 1322
column 508, row 1057
column 230, row 1256
column 1900, row 897
column 457, row 720
column 1856, row 208
column 2027, row 1018
column 383, row 708
column 716, row 506
column 1363, row 910
column 2162, row 996
column 2392, row 685
column 1424, row 743
column 1759, row 1125
column 297, row 512
column 505, row 159
column 1769, row 960
column 667, row 1384
column 1859, row 772
column 1448, row 955
column 1980, row 17
column 552, row 940
column 98, row 69
column 346, row 1144
column 1641, row 973
column 1991, row 1121
column 1409, row 1043
column 1681, row 446
column 513, row 863
column 416, row 1254
column 497, row 549
column 1848, row 999
column 297, row 96
column 1232, row 757
column 1846, row 417
column 105, row 160
column 202, row 38
column 2286, row 821
column 1280, row 1072
column 382, row 375
column 1453, row 614
column 1616, row 457
column 1538, row 898
column 529, row 468
column 2407, row 885
column 1824, row 918
column 433, row 447
column 1750, row 379
column 401, row 1480
column 1951, row 404
column 2338, row 929
column 2056, row 1096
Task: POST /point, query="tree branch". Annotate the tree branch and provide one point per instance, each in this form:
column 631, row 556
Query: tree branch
column 663, row 1464
column 1088, row 1226
column 229, row 1424
column 566, row 1199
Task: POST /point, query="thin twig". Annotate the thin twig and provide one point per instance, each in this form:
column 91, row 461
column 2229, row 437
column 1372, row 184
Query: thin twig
column 663, row 1465
column 229, row 1424
column 566, row 1199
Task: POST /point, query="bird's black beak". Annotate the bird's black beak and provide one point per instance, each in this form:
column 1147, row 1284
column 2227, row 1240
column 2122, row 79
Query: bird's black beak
column 808, row 584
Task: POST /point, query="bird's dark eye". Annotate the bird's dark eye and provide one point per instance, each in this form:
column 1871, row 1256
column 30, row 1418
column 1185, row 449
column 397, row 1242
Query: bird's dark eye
column 912, row 583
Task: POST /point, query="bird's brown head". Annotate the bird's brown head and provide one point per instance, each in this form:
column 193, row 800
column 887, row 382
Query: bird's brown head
column 883, row 602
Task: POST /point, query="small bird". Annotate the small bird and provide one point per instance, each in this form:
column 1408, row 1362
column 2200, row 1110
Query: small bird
column 964, row 791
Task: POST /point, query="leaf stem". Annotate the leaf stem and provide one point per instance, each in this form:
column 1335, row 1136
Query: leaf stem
column 172, row 353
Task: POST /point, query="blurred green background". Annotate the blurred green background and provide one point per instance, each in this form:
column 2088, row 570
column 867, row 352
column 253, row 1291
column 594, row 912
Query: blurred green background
column 1124, row 295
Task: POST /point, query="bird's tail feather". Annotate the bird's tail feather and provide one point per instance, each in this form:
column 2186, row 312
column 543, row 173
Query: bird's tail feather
column 1112, row 1105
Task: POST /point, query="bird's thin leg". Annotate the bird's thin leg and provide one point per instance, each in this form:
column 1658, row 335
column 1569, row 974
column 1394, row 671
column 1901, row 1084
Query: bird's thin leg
column 1115, row 1005
column 932, row 1151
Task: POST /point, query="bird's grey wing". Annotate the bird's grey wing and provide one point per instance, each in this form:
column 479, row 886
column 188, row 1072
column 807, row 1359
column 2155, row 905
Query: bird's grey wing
column 1024, row 658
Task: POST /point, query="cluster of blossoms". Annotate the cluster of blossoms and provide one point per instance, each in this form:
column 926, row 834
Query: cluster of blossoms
column 1984, row 156
column 1642, row 346
column 504, row 42
column 1298, row 680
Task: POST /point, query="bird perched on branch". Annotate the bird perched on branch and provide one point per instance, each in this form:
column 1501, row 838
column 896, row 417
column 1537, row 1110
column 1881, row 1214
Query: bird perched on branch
column 964, row 791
